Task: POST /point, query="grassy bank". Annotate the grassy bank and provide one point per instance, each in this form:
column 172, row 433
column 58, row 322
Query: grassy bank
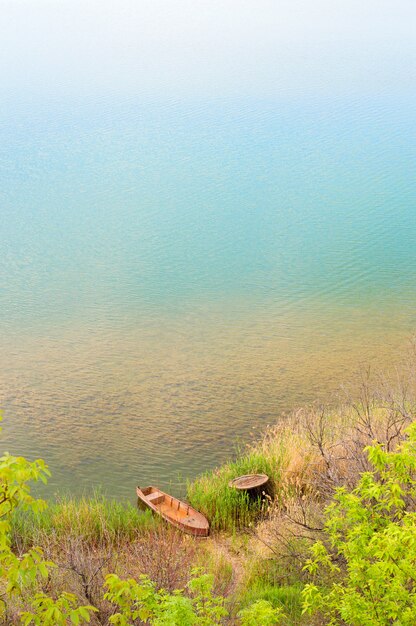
column 97, row 520
column 258, row 547
column 307, row 454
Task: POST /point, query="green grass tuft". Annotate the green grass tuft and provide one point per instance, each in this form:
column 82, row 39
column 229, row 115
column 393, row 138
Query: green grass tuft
column 285, row 597
column 227, row 508
column 96, row 520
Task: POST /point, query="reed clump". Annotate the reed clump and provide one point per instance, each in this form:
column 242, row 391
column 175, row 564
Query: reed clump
column 96, row 520
column 225, row 507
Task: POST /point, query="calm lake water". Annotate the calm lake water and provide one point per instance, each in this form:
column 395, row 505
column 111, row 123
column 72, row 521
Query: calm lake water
column 191, row 247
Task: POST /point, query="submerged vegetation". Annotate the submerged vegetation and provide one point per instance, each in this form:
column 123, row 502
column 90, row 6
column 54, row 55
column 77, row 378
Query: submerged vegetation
column 331, row 541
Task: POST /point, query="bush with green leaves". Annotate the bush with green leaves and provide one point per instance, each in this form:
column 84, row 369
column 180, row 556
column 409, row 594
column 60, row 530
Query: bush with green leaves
column 261, row 612
column 20, row 574
column 370, row 553
column 59, row 612
column 141, row 600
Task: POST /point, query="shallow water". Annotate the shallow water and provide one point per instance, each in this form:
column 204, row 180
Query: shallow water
column 179, row 269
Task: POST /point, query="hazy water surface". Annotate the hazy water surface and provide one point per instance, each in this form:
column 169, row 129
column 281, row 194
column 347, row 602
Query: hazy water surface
column 181, row 261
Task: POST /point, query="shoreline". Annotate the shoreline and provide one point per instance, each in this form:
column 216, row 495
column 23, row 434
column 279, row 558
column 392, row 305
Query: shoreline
column 256, row 549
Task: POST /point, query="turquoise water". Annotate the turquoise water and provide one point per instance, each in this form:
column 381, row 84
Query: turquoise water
column 182, row 261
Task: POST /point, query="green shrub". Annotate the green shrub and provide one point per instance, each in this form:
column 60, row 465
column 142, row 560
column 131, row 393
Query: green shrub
column 261, row 612
column 49, row 612
column 370, row 556
column 141, row 600
column 24, row 572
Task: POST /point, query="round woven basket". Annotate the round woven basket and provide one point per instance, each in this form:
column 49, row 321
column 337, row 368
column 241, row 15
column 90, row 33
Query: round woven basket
column 249, row 481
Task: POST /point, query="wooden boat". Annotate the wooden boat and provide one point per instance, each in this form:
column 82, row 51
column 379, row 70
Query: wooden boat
column 174, row 511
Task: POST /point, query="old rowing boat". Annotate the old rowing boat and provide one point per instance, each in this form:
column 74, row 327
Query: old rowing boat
column 174, row 511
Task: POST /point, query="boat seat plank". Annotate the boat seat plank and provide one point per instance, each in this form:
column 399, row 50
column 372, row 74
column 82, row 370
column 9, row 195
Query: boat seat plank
column 156, row 497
